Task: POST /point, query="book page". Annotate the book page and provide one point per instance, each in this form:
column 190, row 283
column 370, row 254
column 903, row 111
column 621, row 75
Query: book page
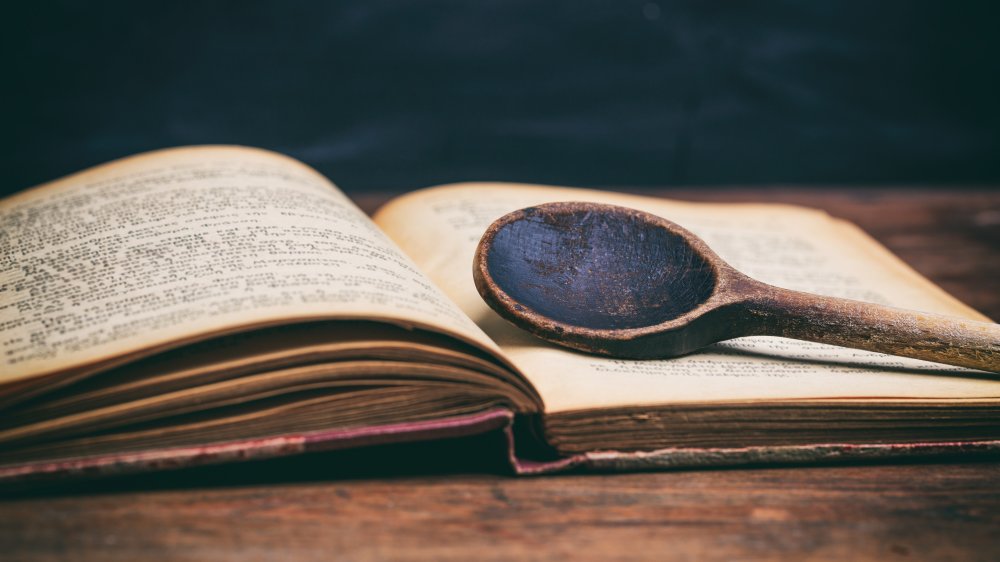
column 183, row 243
column 787, row 246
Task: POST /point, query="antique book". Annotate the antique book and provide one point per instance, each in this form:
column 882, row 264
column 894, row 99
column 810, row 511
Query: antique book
column 211, row 304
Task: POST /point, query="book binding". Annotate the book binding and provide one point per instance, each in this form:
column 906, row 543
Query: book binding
column 497, row 419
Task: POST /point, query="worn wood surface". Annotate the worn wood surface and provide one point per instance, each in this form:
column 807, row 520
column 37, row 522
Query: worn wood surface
column 567, row 272
column 455, row 501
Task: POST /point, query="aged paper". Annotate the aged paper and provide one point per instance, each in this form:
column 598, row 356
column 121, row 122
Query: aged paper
column 787, row 246
column 185, row 242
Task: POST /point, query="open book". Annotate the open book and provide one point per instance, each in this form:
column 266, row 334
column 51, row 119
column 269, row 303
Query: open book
column 208, row 304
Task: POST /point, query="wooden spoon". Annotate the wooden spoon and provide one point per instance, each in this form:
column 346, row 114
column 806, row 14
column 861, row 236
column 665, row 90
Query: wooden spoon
column 625, row 283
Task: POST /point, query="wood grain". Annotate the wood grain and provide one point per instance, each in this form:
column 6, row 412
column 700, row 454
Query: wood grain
column 939, row 512
column 455, row 501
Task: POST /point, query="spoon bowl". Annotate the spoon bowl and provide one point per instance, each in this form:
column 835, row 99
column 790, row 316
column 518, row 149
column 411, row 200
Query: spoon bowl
column 556, row 259
column 625, row 283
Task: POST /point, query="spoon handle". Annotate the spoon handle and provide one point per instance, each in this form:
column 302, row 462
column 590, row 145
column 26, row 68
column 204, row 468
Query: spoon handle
column 873, row 327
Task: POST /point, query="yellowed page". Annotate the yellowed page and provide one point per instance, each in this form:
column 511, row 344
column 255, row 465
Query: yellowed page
column 180, row 243
column 788, row 246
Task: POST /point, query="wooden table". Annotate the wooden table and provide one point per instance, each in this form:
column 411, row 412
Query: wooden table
column 456, row 501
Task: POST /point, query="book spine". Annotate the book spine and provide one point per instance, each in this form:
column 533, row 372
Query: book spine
column 817, row 454
column 253, row 449
column 491, row 420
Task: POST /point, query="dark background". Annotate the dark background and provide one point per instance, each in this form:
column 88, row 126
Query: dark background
column 397, row 95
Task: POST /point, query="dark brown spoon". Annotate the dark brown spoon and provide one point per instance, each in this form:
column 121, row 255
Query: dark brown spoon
column 625, row 283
